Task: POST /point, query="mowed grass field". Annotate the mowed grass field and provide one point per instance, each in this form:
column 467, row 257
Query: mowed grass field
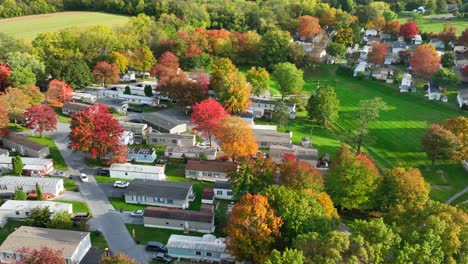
column 28, row 27
column 426, row 24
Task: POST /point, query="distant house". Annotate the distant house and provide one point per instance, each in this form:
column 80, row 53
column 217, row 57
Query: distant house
column 262, row 105
column 417, row 40
column 264, row 127
column 116, row 105
column 361, row 67
column 438, row 44
column 128, row 77
column 9, row 184
column 140, row 131
column 370, row 32
column 223, row 190
column 133, row 171
column 4, row 152
column 168, row 139
column 130, row 98
column 21, row 209
column 24, row 146
column 160, row 193
column 135, row 89
column 35, row 167
column 461, row 59
column 248, row 117
column 147, row 155
column 208, row 170
column 433, row 91
column 205, row 248
column 164, row 123
column 381, row 73
column 190, row 153
column 84, row 98
column 276, row 153
column 405, row 82
column 70, row 108
column 398, row 46
column 73, row 244
column 171, row 218
column 460, row 48
column 127, row 138
column 267, row 138
column 462, row 98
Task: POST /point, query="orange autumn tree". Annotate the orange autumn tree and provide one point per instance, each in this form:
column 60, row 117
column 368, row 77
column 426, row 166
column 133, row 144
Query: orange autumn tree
column 308, row 26
column 252, row 228
column 58, row 93
column 4, row 120
column 459, row 127
column 378, row 53
column 300, row 175
column 236, row 137
column 425, row 60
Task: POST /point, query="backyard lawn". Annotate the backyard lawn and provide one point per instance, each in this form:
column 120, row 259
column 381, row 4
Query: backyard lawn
column 98, row 241
column 107, row 179
column 145, row 234
column 59, row 162
column 426, row 24
column 9, row 228
column 77, row 206
column 61, row 116
column 119, row 203
column 69, row 184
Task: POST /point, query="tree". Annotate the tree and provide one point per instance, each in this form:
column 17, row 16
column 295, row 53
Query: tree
column 41, row 118
column 409, row 30
column 15, row 103
column 40, row 256
column 445, row 78
column 345, row 36
column 327, row 248
column 106, row 73
column 25, row 68
column 148, row 91
column 119, row 258
column 252, row 228
column 252, row 176
column 236, row 137
column 35, row 95
column 274, row 47
column 459, row 127
column 352, row 180
column 392, row 27
column 20, row 195
column 281, row 114
column 4, row 120
column 76, row 73
column 448, row 59
column 448, row 34
column 406, row 188
column 120, row 60
column 39, row 192
column 324, row 106
column 439, row 143
column 308, row 26
column 5, row 72
column 61, row 220
column 300, row 175
column 167, row 67
column 289, row 78
column 377, row 23
column 463, row 38
column 58, row 92
column 17, row 164
column 259, row 78
column 369, row 110
column 378, row 53
column 141, row 59
column 96, row 132
column 336, row 50
column 186, row 92
column 441, row 6
column 206, row 116
column 289, row 256
column 38, row 217
column 127, row 90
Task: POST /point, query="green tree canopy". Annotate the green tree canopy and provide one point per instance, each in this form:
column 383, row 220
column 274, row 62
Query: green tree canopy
column 288, row 256
column 259, row 78
column 17, row 164
column 61, row 220
column 323, row 107
column 274, row 47
column 38, row 217
column 290, row 79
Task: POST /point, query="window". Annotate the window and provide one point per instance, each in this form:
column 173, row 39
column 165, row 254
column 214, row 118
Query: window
column 27, row 213
column 161, row 200
column 192, row 173
column 169, row 201
column 167, row 223
column 197, row 253
column 155, row 199
column 174, row 141
column 155, row 140
column 208, row 254
column 229, row 193
column 126, row 173
column 219, row 192
column 17, row 212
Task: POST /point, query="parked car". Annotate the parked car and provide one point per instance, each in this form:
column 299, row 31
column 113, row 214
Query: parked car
column 103, row 172
column 81, row 217
column 156, row 247
column 59, row 174
column 84, row 177
column 203, row 145
column 137, row 213
column 161, row 257
column 121, row 184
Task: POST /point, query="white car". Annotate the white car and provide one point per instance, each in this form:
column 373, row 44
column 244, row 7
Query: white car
column 84, row 177
column 203, row 144
column 121, row 184
column 137, row 213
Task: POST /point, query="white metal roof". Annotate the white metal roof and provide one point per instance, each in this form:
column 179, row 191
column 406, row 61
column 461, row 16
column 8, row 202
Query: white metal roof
column 127, row 167
column 26, row 161
column 28, row 205
column 206, row 243
column 18, row 180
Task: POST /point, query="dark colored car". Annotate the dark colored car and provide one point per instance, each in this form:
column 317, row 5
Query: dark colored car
column 161, row 257
column 103, row 172
column 156, row 247
column 134, row 110
column 81, row 217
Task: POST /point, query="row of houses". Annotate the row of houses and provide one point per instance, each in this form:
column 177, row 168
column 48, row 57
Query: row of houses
column 23, row 146
column 35, row 167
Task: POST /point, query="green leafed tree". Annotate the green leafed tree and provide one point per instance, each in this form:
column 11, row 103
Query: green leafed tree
column 288, row 256
column 259, row 78
column 17, row 164
column 290, row 79
column 61, row 220
column 439, row 143
column 281, row 114
column 336, row 49
column 20, row 195
column 76, row 73
column 127, row 90
column 274, row 47
column 148, row 90
column 329, row 248
column 445, row 78
column 38, row 217
column 323, row 107
column 448, row 59
column 38, row 192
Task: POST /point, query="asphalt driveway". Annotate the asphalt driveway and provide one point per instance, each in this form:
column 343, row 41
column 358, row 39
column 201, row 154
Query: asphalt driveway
column 110, row 191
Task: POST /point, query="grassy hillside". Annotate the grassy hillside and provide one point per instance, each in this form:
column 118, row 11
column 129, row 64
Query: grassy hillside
column 437, row 25
column 28, row 27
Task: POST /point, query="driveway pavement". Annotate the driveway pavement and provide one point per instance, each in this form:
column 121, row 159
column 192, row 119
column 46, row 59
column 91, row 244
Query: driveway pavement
column 110, row 191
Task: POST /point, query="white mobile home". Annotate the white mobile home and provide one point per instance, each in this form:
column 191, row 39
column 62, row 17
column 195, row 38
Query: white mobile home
column 223, row 190
column 9, row 184
column 360, row 68
column 84, row 98
column 132, row 99
column 205, row 248
column 190, row 153
column 35, row 167
column 132, row 171
column 21, row 209
column 405, row 83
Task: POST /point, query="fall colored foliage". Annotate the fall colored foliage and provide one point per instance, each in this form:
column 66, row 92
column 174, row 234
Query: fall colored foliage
column 378, row 53
column 448, row 34
column 5, row 71
column 15, row 103
column 105, row 72
column 206, row 116
column 392, row 27
column 308, row 26
column 40, row 256
column 58, row 92
column 300, row 175
column 459, row 127
column 406, row 188
column 377, row 23
column 119, row 258
column 327, row 204
column 409, row 30
column 463, row 39
column 41, row 118
column 4, row 120
column 96, row 132
column 167, row 67
column 252, row 228
column 184, row 91
column 425, row 61
column 35, row 95
column 259, row 78
column 439, row 143
column 236, row 137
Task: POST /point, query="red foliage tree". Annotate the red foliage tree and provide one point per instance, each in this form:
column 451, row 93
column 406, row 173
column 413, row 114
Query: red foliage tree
column 40, row 256
column 166, row 68
column 5, row 71
column 463, row 39
column 105, row 72
column 206, row 116
column 300, row 175
column 4, row 120
column 448, row 34
column 42, row 118
column 392, row 27
column 96, row 132
column 58, row 92
column 378, row 53
column 409, row 30
column 425, row 61
column 288, row 157
column 308, row 26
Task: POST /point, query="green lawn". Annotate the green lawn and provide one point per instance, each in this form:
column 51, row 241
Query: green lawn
column 59, row 162
column 426, row 24
column 9, row 228
column 69, row 184
column 77, row 206
column 29, row 26
column 119, row 203
column 98, row 241
column 61, row 116
column 95, row 163
column 145, row 234
column 16, row 128
column 107, row 179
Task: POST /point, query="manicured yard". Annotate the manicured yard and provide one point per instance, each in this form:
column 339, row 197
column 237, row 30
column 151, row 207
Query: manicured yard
column 59, row 162
column 69, row 184
column 98, row 241
column 16, row 128
column 426, row 24
column 119, row 203
column 61, row 116
column 9, row 228
column 145, row 234
column 107, row 179
column 77, row 206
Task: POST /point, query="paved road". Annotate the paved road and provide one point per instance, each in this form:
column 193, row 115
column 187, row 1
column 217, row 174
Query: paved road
column 110, row 191
column 455, row 196
column 105, row 219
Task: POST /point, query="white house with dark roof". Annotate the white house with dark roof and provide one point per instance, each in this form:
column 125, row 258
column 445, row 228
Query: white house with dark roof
column 70, row 108
column 164, row 123
column 24, row 146
column 187, row 220
column 146, row 155
column 208, row 170
column 223, row 190
column 462, row 98
column 168, row 139
column 116, row 105
column 190, row 153
column 259, row 106
column 205, row 248
column 84, row 97
column 267, row 138
column 9, row 184
column 36, row 167
column 160, row 193
column 433, row 91
column 133, row 171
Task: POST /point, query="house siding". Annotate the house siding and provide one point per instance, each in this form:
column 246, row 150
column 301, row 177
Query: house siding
column 56, row 190
column 205, row 175
column 179, row 155
column 201, row 227
column 192, row 254
column 147, row 158
column 223, row 194
column 25, row 151
column 137, row 175
column 82, row 249
column 158, row 139
column 156, row 201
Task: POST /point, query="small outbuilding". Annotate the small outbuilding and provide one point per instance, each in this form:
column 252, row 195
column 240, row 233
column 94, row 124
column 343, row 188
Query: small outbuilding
column 145, row 155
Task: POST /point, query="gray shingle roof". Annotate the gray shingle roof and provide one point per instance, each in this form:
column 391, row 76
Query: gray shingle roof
column 162, row 189
column 20, row 140
column 161, row 120
column 222, row 185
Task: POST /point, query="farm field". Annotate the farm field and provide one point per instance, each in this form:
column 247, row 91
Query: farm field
column 427, row 24
column 28, row 27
